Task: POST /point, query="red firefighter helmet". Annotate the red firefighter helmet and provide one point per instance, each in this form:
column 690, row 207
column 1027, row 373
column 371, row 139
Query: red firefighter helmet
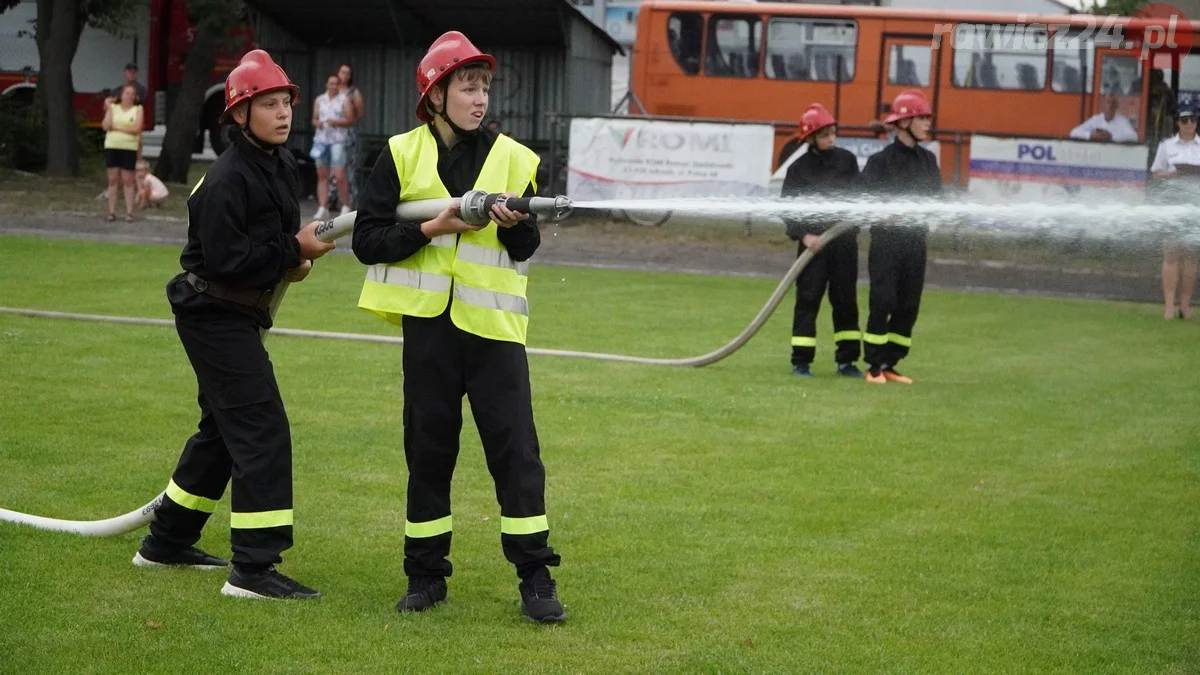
column 452, row 50
column 255, row 74
column 908, row 104
column 814, row 119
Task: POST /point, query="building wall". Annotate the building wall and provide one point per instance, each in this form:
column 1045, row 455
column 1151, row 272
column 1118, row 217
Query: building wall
column 590, row 63
column 528, row 82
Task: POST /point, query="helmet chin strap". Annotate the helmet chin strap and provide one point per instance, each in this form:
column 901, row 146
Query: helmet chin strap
column 908, row 130
column 265, row 145
column 459, row 131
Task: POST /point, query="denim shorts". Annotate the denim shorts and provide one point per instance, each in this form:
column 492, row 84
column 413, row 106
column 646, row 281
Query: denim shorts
column 332, row 155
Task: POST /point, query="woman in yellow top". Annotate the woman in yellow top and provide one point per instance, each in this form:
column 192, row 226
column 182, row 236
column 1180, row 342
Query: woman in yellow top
column 123, row 122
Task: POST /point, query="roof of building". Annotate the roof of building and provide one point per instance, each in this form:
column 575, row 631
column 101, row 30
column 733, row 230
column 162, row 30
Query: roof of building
column 418, row 22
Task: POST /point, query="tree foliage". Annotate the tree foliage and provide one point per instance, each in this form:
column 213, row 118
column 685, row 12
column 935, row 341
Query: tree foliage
column 1117, row 7
column 212, row 21
column 57, row 31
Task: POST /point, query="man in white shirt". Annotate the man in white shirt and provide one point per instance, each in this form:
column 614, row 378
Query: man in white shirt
column 1107, row 126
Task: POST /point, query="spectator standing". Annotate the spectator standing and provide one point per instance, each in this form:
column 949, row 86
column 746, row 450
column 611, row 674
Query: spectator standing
column 131, row 78
column 1163, row 110
column 1177, row 168
column 357, row 112
column 331, row 118
column 123, row 126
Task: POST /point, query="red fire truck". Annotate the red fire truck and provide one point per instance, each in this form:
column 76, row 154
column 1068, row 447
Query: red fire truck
column 157, row 39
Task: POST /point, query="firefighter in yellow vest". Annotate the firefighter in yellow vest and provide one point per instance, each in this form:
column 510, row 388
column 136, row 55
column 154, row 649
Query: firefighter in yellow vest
column 458, row 291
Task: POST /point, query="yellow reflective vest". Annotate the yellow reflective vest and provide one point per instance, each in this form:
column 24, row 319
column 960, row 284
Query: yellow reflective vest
column 488, row 286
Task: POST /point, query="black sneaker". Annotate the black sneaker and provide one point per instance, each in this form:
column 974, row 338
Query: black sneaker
column 268, row 584
column 539, row 598
column 849, row 370
column 152, row 554
column 423, row 593
column 803, row 370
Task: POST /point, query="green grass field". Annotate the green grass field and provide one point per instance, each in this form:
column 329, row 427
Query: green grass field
column 22, row 192
column 1030, row 505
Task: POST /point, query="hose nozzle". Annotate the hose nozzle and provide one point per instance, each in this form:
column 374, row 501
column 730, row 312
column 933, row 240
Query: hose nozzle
column 476, row 206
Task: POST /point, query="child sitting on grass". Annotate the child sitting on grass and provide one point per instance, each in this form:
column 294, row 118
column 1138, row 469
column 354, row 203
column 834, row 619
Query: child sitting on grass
column 150, row 190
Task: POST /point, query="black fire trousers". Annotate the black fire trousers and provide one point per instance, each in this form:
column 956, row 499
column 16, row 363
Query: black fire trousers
column 896, row 264
column 243, row 434
column 835, row 267
column 442, row 363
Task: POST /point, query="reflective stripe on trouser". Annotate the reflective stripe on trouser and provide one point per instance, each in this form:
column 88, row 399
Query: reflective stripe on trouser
column 835, row 268
column 896, row 264
column 442, row 363
column 243, row 433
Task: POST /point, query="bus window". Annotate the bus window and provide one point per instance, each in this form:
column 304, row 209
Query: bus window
column 683, row 35
column 1189, row 81
column 999, row 57
column 1073, row 58
column 733, row 46
column 1121, row 75
column 808, row 50
column 908, row 65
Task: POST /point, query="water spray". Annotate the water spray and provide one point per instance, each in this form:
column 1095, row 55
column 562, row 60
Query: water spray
column 1118, row 220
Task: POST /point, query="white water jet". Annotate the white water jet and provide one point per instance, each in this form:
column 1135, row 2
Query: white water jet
column 1101, row 220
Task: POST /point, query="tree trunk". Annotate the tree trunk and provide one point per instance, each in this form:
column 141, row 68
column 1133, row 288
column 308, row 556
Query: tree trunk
column 59, row 27
column 184, row 121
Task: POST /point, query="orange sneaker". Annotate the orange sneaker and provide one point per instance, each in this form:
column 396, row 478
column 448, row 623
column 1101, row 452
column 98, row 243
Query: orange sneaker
column 891, row 375
column 875, row 377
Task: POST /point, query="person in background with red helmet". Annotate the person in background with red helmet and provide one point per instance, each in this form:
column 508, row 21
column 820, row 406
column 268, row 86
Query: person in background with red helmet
column 824, row 170
column 896, row 260
column 458, row 290
column 244, row 237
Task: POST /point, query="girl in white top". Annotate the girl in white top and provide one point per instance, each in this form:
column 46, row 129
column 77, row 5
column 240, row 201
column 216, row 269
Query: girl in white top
column 1178, row 159
column 357, row 110
column 331, row 119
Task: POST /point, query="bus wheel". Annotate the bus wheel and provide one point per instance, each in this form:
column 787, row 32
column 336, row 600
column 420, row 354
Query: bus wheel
column 647, row 220
column 211, row 121
column 217, row 138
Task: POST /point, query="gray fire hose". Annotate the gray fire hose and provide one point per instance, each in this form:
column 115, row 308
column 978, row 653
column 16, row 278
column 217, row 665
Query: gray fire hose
column 473, row 208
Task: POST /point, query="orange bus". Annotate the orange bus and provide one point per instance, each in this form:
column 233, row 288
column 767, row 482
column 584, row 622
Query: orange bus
column 983, row 72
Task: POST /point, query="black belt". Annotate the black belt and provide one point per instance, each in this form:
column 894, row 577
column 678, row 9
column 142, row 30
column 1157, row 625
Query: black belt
column 242, row 296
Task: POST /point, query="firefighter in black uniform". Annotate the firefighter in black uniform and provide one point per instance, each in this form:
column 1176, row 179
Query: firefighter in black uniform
column 824, row 170
column 896, row 260
column 244, row 237
column 458, row 291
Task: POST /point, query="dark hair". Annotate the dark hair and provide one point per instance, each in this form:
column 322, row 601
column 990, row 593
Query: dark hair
column 334, row 76
column 350, row 80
